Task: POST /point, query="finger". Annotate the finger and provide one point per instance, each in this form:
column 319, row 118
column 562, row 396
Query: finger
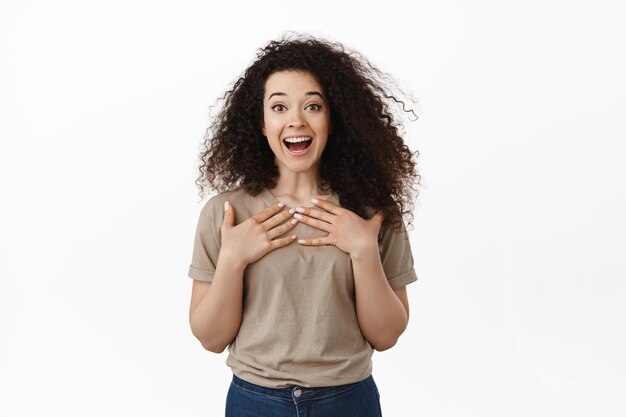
column 229, row 215
column 320, row 241
column 277, row 231
column 276, row 219
column 318, row 214
column 279, row 243
column 318, row 224
column 326, row 205
column 268, row 212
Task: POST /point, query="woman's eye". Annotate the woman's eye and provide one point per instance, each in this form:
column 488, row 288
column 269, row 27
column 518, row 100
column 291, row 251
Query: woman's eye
column 278, row 105
column 316, row 106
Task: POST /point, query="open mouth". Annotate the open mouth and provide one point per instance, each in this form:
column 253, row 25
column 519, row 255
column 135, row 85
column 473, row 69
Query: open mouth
column 299, row 144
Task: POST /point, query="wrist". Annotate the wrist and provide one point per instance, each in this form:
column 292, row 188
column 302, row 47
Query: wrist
column 366, row 251
column 233, row 260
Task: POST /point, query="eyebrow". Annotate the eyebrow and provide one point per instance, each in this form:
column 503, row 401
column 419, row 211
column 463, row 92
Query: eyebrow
column 309, row 93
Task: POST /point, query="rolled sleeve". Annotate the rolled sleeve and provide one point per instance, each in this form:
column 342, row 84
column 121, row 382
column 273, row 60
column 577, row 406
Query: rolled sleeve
column 396, row 256
column 206, row 246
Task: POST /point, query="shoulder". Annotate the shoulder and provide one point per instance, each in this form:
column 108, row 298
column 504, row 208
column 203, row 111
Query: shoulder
column 233, row 196
column 244, row 203
column 389, row 231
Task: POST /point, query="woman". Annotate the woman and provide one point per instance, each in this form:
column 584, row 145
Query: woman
column 300, row 262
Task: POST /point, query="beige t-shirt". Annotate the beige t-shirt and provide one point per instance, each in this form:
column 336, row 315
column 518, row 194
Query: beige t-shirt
column 299, row 324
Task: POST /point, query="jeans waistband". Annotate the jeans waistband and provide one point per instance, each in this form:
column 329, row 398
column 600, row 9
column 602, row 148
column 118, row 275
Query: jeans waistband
column 302, row 393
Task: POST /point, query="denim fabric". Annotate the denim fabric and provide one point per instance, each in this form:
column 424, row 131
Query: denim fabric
column 359, row 399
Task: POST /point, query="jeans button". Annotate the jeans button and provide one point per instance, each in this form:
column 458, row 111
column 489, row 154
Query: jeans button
column 297, row 393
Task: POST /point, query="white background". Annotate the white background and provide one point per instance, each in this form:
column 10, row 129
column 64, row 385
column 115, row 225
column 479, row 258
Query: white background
column 518, row 231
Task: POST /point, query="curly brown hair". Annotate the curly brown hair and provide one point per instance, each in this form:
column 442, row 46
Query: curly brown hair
column 366, row 161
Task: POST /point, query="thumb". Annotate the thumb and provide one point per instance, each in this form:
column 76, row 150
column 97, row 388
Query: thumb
column 229, row 215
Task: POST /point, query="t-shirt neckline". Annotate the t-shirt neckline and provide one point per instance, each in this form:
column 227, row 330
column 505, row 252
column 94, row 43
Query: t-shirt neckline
column 332, row 197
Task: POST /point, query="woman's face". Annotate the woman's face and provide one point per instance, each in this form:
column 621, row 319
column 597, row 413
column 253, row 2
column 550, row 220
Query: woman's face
column 296, row 119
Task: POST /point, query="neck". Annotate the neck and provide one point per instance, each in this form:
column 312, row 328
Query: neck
column 298, row 185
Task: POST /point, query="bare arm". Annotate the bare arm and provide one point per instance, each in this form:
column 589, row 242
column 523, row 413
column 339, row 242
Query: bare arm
column 215, row 312
column 216, row 307
column 383, row 313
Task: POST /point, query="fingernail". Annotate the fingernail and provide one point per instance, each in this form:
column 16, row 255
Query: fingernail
column 300, row 209
column 226, row 205
column 314, row 201
column 294, row 221
column 291, row 211
column 293, row 236
column 298, row 216
column 301, row 241
column 281, row 204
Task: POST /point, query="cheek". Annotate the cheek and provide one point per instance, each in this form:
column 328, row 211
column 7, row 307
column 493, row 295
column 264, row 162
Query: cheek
column 325, row 120
column 323, row 124
column 272, row 126
column 318, row 121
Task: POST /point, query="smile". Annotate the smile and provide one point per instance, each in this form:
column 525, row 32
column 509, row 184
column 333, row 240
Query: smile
column 298, row 145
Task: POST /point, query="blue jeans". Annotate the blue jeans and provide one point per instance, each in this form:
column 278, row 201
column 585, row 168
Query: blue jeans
column 359, row 399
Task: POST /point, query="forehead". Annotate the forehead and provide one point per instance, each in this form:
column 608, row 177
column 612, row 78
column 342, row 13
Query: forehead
column 291, row 83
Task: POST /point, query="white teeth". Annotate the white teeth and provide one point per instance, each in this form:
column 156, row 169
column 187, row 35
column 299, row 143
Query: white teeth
column 298, row 139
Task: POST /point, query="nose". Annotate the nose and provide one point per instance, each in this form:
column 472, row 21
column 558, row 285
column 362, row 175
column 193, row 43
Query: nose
column 296, row 120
